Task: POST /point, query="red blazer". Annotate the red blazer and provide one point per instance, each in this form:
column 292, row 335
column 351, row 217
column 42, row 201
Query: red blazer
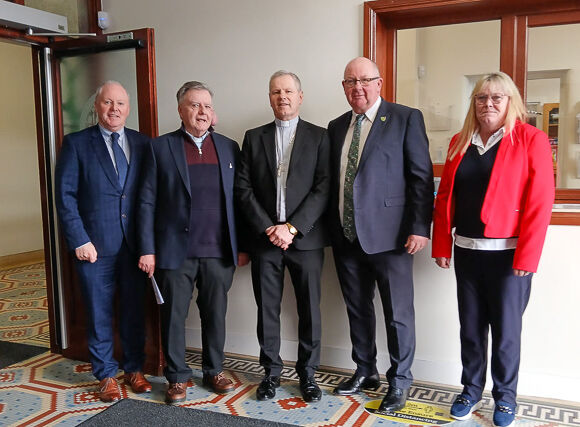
column 518, row 201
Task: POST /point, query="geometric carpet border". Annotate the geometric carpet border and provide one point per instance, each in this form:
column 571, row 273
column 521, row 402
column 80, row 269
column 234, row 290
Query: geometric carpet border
column 51, row 390
column 528, row 409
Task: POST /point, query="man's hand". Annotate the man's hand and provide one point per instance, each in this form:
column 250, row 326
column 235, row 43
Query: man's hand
column 243, row 259
column 147, row 264
column 443, row 262
column 280, row 235
column 415, row 243
column 86, row 252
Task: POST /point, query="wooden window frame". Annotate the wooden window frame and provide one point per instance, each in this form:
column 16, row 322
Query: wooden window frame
column 382, row 19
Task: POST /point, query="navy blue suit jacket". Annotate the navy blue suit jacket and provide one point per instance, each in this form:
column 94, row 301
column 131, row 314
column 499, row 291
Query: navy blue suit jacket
column 165, row 198
column 393, row 187
column 91, row 204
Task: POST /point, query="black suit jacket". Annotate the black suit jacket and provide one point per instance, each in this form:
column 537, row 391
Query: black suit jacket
column 165, row 198
column 393, row 187
column 307, row 184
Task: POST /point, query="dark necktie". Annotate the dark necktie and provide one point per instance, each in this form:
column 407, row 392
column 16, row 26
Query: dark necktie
column 349, row 175
column 120, row 159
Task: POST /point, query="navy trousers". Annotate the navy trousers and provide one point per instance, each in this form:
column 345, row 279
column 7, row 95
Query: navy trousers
column 489, row 295
column 101, row 281
column 392, row 272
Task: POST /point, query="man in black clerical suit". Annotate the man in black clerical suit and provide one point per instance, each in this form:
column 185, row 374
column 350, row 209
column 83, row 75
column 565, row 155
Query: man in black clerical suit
column 281, row 188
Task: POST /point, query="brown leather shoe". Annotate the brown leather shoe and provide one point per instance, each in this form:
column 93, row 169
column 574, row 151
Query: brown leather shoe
column 109, row 390
column 176, row 393
column 138, row 382
column 218, row 383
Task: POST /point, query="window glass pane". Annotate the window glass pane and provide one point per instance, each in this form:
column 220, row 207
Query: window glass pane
column 553, row 95
column 82, row 75
column 437, row 68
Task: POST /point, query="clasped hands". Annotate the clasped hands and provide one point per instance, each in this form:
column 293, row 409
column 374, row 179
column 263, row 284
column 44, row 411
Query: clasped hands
column 280, row 236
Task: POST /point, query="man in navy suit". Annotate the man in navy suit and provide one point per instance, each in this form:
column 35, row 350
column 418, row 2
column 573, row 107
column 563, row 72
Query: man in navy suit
column 187, row 233
column 380, row 210
column 96, row 181
column 282, row 189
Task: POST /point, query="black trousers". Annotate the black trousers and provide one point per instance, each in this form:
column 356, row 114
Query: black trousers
column 490, row 295
column 392, row 272
column 305, row 267
column 213, row 277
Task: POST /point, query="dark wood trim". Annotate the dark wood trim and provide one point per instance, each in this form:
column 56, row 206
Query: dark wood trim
column 93, row 7
column 565, row 218
column 147, row 83
column 516, row 17
column 513, row 49
column 21, row 36
column 557, row 18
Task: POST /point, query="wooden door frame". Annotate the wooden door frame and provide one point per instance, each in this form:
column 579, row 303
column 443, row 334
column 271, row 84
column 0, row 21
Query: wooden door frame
column 148, row 124
column 382, row 19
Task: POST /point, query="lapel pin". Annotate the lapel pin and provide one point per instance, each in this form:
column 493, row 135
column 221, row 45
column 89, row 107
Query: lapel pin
column 230, row 166
column 383, row 118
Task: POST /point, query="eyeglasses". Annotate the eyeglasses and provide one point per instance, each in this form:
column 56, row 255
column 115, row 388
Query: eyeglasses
column 363, row 82
column 496, row 98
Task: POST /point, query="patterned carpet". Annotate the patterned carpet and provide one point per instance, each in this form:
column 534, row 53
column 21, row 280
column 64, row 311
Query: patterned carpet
column 23, row 305
column 51, row 390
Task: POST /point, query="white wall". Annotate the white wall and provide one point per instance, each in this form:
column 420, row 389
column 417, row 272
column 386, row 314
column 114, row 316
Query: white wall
column 20, row 216
column 234, row 47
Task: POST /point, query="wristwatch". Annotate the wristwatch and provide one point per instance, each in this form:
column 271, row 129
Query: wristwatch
column 291, row 229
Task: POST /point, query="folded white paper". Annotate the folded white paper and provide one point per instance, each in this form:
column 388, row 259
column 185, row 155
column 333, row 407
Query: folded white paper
column 156, row 291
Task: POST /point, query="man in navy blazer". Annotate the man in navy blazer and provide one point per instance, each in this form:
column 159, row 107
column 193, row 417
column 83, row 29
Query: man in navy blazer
column 187, row 235
column 96, row 182
column 282, row 189
column 380, row 209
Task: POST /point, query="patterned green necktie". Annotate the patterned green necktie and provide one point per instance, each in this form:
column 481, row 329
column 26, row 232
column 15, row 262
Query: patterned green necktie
column 350, row 173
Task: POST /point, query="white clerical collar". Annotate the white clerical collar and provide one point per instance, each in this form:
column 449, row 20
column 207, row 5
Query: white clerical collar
column 286, row 123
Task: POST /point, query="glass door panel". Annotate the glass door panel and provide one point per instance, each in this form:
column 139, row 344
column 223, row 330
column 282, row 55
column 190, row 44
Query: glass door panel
column 437, row 68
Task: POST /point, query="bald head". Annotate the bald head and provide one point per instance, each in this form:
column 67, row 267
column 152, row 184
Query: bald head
column 361, row 61
column 362, row 84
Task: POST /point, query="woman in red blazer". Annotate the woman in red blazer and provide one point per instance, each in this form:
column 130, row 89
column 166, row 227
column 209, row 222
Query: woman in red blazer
column 497, row 191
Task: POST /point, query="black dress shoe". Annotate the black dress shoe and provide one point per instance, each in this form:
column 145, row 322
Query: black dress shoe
column 267, row 388
column 394, row 400
column 356, row 383
column 310, row 390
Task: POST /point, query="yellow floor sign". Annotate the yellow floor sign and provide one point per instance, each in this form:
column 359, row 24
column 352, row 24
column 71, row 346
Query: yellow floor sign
column 413, row 413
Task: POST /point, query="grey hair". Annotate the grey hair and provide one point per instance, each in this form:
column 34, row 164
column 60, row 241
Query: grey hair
column 109, row 82
column 281, row 73
column 193, row 85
